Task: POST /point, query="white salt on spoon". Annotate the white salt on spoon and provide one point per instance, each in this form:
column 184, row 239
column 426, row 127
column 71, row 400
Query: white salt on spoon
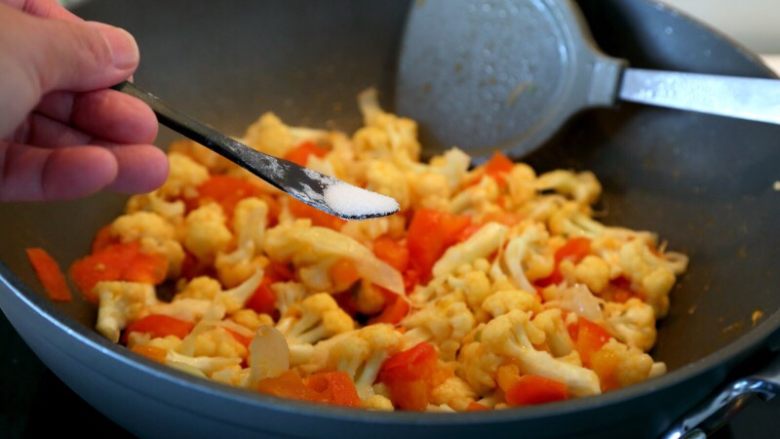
column 353, row 202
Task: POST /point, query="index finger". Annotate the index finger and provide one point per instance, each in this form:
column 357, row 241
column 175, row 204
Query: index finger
column 43, row 9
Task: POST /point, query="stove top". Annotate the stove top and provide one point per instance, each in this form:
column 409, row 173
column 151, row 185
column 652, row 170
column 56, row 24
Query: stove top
column 32, row 400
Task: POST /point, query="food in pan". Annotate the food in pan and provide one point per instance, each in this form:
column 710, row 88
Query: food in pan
column 494, row 287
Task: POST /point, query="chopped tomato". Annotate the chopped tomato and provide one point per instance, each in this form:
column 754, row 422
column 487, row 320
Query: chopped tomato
column 160, row 325
column 498, row 166
column 300, row 154
column 430, row 234
column 574, row 250
column 326, row 387
column 102, row 239
column 335, row 388
column 118, row 262
column 410, row 376
column 467, row 232
column 392, row 252
column 288, row 385
column 151, row 352
column 411, row 364
column 411, row 279
column 619, row 290
column 588, row 338
column 395, row 310
column 241, row 338
column 410, row 395
column 317, row 217
column 263, row 300
column 343, row 274
column 279, row 272
column 227, row 191
column 534, row 389
column 476, row 407
column 49, row 274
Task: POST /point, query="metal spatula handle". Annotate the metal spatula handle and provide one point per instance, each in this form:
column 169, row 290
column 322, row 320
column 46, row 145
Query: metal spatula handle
column 742, row 98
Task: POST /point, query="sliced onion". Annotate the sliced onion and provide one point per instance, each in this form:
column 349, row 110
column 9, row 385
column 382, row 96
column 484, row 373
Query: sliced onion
column 269, row 355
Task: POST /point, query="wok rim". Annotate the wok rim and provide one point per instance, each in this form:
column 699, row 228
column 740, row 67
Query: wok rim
column 88, row 338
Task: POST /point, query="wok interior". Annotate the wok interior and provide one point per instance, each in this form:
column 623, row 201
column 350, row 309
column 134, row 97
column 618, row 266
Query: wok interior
column 704, row 183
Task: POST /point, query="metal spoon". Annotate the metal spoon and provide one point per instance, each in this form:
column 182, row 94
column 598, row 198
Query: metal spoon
column 317, row 190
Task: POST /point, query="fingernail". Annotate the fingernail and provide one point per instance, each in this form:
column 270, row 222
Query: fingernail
column 124, row 49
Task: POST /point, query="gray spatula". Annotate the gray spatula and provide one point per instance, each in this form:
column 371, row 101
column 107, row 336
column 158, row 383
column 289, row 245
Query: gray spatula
column 506, row 74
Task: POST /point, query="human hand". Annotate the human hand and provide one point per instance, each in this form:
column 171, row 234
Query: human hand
column 63, row 134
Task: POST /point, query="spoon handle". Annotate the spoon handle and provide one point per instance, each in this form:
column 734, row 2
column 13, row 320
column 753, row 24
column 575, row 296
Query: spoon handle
column 306, row 185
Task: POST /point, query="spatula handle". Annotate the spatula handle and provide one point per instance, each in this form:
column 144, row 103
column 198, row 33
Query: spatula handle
column 742, row 98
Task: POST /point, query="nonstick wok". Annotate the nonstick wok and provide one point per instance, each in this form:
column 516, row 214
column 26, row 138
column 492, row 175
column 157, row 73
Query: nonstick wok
column 704, row 183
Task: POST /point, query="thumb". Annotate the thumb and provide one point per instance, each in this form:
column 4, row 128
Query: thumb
column 80, row 56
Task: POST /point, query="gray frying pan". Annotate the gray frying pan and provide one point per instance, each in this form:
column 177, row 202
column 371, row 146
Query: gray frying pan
column 675, row 172
column 485, row 74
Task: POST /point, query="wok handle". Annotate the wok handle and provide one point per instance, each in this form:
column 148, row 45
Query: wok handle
column 716, row 411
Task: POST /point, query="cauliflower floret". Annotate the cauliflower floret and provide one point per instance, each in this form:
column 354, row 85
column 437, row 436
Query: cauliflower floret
column 120, row 303
column 361, row 353
column 378, row 403
column 269, row 135
column 167, row 343
column 453, row 392
column 444, row 322
column 184, row 177
column 205, row 232
column 529, row 256
column 206, row 157
column 287, row 294
column 235, row 298
column 218, row 342
column 385, row 178
column 479, row 198
column 155, row 234
column 620, row 365
column 385, row 134
column 206, row 365
column 504, row 301
column 583, row 187
column 201, row 287
column 481, row 244
column 513, row 336
column 249, row 222
column 314, row 249
column 171, row 211
column 369, row 299
column 453, row 165
column 232, row 375
column 468, row 282
column 632, row 322
column 473, row 282
column 478, row 366
column 651, row 274
column 591, row 271
column 430, row 191
column 183, row 309
column 366, row 231
column 250, row 319
column 556, row 334
column 521, row 183
column 318, row 317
